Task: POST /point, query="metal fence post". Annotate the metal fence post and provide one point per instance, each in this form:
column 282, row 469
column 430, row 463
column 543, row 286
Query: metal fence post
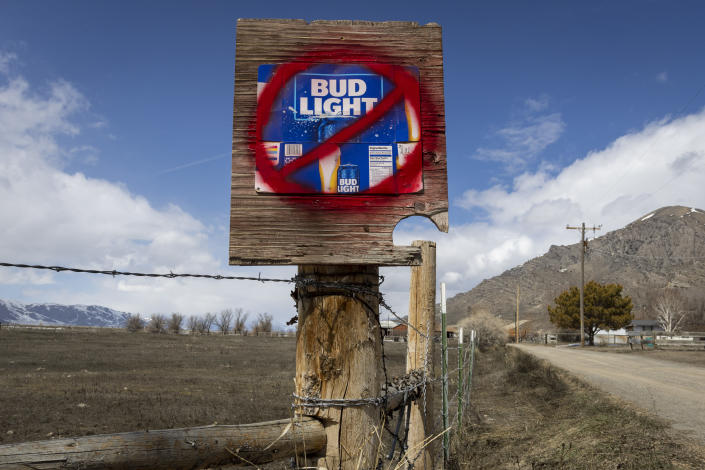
column 444, row 372
column 460, row 377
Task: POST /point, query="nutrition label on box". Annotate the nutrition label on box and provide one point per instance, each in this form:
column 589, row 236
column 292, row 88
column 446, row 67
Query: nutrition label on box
column 381, row 163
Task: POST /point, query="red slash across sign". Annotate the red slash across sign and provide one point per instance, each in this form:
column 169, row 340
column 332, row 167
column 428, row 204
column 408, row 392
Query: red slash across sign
column 406, row 88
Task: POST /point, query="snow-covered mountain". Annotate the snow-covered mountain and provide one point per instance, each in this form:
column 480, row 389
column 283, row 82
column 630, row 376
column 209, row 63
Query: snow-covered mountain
column 55, row 314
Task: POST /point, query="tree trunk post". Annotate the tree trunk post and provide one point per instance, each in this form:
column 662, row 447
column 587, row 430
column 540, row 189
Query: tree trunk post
column 421, row 353
column 339, row 356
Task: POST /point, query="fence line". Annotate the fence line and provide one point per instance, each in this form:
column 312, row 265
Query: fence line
column 351, row 289
column 400, row 398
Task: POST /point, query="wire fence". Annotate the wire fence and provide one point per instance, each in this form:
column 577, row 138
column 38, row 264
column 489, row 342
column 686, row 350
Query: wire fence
column 413, row 388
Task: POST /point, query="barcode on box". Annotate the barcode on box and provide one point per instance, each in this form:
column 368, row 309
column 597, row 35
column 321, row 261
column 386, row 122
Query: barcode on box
column 293, row 150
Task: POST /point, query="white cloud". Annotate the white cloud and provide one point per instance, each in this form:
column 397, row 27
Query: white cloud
column 662, row 77
column 523, row 139
column 99, row 123
column 6, row 58
column 662, row 164
column 536, row 104
column 51, row 216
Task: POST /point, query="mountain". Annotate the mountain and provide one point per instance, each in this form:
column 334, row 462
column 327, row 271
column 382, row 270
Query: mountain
column 664, row 248
column 55, row 314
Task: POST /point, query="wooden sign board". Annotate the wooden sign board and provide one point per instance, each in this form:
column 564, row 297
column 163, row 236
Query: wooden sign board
column 338, row 134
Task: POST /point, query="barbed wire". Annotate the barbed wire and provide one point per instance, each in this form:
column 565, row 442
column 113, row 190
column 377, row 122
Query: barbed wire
column 169, row 275
column 378, row 401
column 315, row 402
column 298, row 280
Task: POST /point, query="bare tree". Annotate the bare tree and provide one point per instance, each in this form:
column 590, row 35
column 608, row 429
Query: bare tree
column 175, row 323
column 206, row 323
column 489, row 328
column 134, row 323
column 157, row 323
column 239, row 324
column 263, row 324
column 193, row 324
column 224, row 320
column 670, row 310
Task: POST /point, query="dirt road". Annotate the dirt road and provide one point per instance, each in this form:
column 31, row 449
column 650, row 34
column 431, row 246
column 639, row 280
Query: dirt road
column 671, row 390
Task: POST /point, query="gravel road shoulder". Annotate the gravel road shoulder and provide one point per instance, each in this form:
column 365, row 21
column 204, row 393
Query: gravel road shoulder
column 674, row 391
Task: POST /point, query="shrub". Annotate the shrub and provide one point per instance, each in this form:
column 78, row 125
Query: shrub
column 157, row 323
column 489, row 329
column 175, row 323
column 263, row 324
column 134, row 323
column 224, row 320
column 239, row 324
column 207, row 323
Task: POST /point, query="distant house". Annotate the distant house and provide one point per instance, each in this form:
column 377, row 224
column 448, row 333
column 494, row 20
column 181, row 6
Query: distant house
column 451, row 331
column 397, row 329
column 387, row 326
column 400, row 330
column 510, row 329
column 393, row 329
column 640, row 326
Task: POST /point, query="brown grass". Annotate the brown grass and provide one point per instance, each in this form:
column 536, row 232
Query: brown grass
column 527, row 415
column 524, row 415
column 74, row 382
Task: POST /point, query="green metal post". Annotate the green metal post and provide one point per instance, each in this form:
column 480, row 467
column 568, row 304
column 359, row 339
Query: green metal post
column 460, row 377
column 468, row 383
column 444, row 372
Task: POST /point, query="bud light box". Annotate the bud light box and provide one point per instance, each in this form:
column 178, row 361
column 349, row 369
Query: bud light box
column 305, row 136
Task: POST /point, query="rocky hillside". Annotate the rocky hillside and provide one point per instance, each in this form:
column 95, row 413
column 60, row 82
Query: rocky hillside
column 55, row 314
column 663, row 248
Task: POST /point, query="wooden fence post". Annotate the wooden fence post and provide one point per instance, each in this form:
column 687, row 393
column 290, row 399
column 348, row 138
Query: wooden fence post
column 339, row 356
column 421, row 353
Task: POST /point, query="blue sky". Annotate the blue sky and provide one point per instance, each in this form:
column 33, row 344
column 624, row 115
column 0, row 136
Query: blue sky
column 116, row 118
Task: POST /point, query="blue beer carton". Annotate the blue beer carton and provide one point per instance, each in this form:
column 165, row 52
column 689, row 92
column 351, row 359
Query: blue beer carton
column 319, row 102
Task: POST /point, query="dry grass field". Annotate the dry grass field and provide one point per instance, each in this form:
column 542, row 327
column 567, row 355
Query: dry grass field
column 73, row 383
column 524, row 415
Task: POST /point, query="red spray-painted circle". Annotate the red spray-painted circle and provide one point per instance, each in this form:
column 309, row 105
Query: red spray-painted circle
column 406, row 87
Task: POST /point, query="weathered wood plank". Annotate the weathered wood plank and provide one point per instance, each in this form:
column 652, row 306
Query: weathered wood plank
column 259, row 220
column 187, row 448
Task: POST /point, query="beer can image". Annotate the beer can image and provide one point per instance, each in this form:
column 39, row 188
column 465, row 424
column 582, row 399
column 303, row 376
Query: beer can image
column 348, row 178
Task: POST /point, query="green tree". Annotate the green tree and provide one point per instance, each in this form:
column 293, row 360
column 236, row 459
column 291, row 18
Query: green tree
column 605, row 309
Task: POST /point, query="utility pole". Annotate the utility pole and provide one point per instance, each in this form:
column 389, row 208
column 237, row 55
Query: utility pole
column 583, row 247
column 516, row 321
